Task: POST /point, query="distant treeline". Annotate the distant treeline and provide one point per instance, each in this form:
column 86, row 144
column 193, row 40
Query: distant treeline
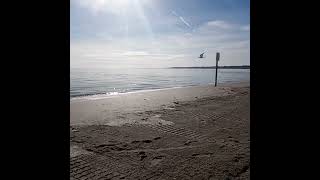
column 213, row 67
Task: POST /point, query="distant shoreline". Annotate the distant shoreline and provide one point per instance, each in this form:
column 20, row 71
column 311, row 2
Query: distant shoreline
column 213, row 67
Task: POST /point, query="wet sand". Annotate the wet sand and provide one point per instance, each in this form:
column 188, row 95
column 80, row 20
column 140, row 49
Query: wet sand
column 197, row 132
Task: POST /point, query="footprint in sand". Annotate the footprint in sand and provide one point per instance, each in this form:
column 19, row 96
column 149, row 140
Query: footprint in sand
column 156, row 160
column 142, row 155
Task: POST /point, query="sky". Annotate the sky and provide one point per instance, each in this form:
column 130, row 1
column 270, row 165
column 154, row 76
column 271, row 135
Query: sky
column 158, row 33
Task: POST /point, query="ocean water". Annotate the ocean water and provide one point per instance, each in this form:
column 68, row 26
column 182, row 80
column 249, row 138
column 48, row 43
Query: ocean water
column 86, row 82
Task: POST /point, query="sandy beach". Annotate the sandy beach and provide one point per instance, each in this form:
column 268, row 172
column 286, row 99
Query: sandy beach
column 199, row 132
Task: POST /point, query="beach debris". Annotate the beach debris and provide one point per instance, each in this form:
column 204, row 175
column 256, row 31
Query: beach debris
column 74, row 130
column 166, row 107
column 144, row 119
column 236, row 141
column 201, row 155
column 77, row 141
column 142, row 155
column 176, row 102
column 147, row 141
column 143, row 141
column 237, row 158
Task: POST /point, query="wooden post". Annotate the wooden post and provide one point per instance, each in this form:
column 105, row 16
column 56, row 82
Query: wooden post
column 217, row 59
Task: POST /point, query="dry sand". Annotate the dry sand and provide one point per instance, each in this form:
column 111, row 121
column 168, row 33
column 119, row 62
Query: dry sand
column 197, row 132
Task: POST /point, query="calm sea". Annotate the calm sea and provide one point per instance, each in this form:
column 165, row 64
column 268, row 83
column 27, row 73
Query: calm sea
column 96, row 81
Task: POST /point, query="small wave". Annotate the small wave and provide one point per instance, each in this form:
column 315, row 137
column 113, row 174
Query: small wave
column 112, row 94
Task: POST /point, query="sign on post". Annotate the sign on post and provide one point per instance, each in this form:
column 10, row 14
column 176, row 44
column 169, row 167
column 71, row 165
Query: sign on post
column 217, row 59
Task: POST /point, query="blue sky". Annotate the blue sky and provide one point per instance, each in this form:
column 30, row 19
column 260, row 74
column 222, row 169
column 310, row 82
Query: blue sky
column 159, row 33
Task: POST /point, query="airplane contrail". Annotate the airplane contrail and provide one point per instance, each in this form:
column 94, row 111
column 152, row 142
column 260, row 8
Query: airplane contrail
column 182, row 19
column 185, row 22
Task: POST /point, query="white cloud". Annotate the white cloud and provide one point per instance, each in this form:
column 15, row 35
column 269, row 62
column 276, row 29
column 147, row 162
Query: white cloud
column 171, row 49
column 245, row 28
column 116, row 7
column 219, row 24
column 98, row 6
column 135, row 53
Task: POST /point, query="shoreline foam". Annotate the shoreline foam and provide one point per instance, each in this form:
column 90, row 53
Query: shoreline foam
column 113, row 94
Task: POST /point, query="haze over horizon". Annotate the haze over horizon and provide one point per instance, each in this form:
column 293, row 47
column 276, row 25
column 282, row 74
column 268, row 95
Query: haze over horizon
column 159, row 33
